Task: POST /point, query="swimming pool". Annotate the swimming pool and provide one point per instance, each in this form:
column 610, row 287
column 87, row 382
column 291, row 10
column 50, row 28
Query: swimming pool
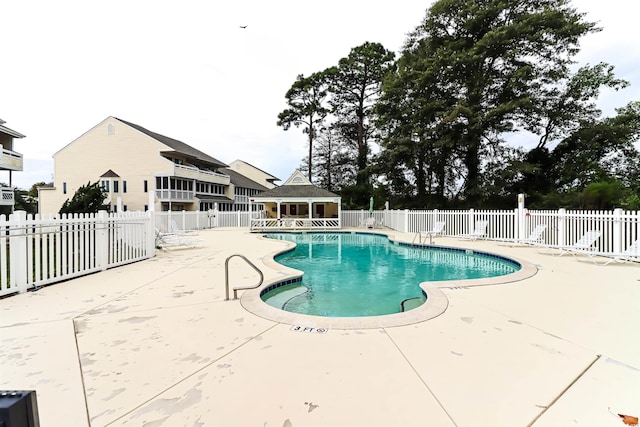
column 363, row 274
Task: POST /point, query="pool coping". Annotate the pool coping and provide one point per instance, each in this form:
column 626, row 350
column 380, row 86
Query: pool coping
column 436, row 304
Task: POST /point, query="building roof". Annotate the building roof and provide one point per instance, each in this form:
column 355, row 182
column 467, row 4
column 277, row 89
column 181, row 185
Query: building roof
column 297, row 186
column 297, row 191
column 272, row 177
column 240, row 180
column 176, row 145
column 109, row 174
column 7, row 131
column 213, row 199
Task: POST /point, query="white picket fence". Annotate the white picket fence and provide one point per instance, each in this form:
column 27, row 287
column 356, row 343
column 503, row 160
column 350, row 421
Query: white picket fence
column 618, row 229
column 184, row 220
column 44, row 250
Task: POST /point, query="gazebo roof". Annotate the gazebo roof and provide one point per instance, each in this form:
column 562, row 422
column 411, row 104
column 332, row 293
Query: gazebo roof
column 296, row 191
column 297, row 186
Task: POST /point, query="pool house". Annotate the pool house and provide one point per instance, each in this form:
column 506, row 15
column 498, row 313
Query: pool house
column 297, row 204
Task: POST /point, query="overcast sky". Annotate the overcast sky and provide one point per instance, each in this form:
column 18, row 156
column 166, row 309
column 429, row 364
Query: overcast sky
column 188, row 71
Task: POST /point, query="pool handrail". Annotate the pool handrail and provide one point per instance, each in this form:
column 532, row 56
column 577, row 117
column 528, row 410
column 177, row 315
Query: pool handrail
column 240, row 288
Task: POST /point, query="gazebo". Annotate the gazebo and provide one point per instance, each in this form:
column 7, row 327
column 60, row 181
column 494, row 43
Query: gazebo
column 297, row 204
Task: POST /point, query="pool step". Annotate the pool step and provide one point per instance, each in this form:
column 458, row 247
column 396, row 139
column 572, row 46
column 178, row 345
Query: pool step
column 411, row 303
column 278, row 298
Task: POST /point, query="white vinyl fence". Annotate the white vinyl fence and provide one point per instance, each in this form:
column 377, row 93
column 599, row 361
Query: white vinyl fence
column 38, row 251
column 167, row 222
column 230, row 219
column 42, row 250
column 618, row 229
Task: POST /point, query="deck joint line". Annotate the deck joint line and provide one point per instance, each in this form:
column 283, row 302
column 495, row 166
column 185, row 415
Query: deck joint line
column 575, row 380
column 197, row 371
column 422, row 380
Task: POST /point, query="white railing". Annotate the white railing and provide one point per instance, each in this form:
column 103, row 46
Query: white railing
column 618, row 229
column 37, row 251
column 183, row 220
column 43, row 250
column 200, row 174
column 10, row 160
column 271, row 224
column 175, row 195
column 6, row 196
column 231, row 219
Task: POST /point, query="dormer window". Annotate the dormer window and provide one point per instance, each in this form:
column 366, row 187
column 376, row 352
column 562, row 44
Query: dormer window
column 106, row 179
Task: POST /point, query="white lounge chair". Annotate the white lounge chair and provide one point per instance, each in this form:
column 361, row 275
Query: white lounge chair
column 369, row 223
column 437, row 229
column 174, row 229
column 479, row 232
column 165, row 240
column 631, row 254
column 535, row 238
column 582, row 246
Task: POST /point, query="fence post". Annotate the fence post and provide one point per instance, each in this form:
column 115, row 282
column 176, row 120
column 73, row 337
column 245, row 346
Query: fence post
column 520, row 234
column 562, row 226
column 151, row 233
column 18, row 251
column 102, row 240
column 618, row 231
column 406, row 221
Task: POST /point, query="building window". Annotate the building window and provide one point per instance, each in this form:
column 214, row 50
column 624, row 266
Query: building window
column 162, row 183
column 64, row 188
column 124, row 186
column 146, row 186
column 115, row 186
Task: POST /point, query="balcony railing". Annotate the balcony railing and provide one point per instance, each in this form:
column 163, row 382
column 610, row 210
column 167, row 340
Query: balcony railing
column 10, row 160
column 191, row 172
column 175, row 195
column 241, row 199
column 294, row 223
column 7, row 197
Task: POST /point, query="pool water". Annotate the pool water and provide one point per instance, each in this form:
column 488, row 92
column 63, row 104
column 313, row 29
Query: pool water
column 361, row 274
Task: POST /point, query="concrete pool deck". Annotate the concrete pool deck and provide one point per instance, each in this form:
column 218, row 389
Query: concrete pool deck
column 155, row 344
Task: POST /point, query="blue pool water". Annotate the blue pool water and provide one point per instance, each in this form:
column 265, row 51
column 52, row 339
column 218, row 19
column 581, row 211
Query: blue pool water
column 360, row 274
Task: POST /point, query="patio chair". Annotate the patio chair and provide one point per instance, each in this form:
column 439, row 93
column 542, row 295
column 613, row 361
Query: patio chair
column 174, row 229
column 582, row 246
column 631, row 254
column 437, row 229
column 369, row 223
column 479, row 232
column 164, row 240
column 535, row 238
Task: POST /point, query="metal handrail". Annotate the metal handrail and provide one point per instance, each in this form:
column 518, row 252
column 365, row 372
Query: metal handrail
column 226, row 277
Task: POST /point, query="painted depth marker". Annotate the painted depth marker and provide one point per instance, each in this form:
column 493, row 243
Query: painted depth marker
column 307, row 329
